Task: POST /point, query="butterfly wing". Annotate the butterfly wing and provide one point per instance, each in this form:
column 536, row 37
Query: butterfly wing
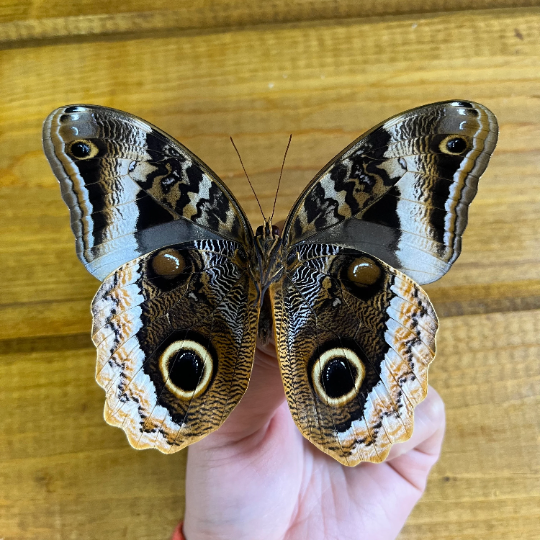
column 131, row 188
column 355, row 334
column 401, row 191
column 355, row 338
column 175, row 350
column 175, row 319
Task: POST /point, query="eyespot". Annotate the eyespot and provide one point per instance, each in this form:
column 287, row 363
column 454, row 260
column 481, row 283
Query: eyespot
column 337, row 376
column 83, row 149
column 363, row 276
column 363, row 271
column 168, row 263
column 453, row 145
column 73, row 109
column 186, row 367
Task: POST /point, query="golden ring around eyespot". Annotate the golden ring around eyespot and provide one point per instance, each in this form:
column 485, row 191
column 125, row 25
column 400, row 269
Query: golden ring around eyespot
column 82, row 149
column 460, row 143
column 200, row 351
column 321, row 363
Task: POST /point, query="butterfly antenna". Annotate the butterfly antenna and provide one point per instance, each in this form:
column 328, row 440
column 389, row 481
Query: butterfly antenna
column 250, row 184
column 280, row 175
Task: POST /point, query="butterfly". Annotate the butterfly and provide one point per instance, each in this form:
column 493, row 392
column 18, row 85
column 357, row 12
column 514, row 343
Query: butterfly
column 187, row 285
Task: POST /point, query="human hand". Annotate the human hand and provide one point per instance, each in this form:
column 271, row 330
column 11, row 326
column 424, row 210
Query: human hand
column 257, row 478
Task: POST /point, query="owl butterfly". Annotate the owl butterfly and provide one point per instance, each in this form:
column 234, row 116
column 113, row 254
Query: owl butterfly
column 187, row 286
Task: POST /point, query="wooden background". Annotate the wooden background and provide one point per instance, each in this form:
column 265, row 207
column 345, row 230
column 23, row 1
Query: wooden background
column 324, row 70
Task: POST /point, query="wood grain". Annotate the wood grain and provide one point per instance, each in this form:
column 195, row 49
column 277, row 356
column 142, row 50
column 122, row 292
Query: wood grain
column 326, row 78
column 486, row 484
column 28, row 21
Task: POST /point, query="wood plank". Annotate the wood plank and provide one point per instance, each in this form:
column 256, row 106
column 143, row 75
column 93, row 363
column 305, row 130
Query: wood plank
column 67, row 474
column 31, row 21
column 64, row 473
column 487, row 483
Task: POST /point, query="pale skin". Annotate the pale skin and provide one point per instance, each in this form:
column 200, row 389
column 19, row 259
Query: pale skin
column 257, row 478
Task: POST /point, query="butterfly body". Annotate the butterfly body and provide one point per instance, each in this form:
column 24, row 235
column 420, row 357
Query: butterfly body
column 268, row 260
column 187, row 285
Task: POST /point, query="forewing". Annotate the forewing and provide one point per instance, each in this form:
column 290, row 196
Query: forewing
column 175, row 343
column 402, row 191
column 354, row 339
column 131, row 188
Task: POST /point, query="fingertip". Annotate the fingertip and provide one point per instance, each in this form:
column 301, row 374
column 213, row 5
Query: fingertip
column 433, row 410
column 429, row 428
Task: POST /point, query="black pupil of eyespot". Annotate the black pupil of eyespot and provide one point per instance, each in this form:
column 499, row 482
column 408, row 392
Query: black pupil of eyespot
column 456, row 146
column 338, row 377
column 185, row 370
column 80, row 149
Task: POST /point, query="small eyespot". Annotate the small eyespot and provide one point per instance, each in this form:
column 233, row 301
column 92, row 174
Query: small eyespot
column 186, row 367
column 83, row 149
column 294, row 260
column 168, row 263
column 453, row 145
column 239, row 258
column 363, row 271
column 74, row 108
column 337, row 376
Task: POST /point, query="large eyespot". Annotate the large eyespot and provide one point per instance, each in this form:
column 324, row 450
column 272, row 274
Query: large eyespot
column 83, row 149
column 337, row 376
column 186, row 367
column 363, row 271
column 453, row 145
column 168, row 263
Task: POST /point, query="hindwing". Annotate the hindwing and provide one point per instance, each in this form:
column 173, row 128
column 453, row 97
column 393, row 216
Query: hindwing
column 175, row 332
column 355, row 338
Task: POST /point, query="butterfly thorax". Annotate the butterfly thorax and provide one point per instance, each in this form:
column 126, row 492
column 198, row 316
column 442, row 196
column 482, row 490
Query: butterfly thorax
column 268, row 266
